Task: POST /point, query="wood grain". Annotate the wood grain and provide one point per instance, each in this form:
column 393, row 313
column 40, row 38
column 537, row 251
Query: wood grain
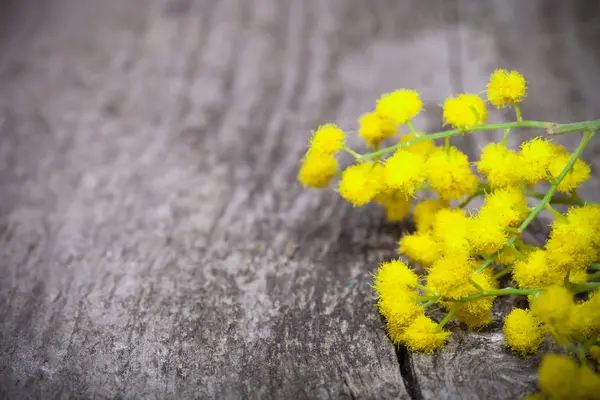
column 153, row 240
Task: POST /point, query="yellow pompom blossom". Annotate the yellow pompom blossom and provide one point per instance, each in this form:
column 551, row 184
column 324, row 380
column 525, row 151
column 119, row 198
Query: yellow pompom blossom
column 396, row 204
column 486, row 233
column 405, row 171
column 535, row 272
column 399, row 307
column 500, row 165
column 393, row 274
column 585, row 318
column 523, row 332
column 595, row 353
column 421, row 248
column 374, row 128
column 558, row 376
column 465, row 111
column 423, row 335
column 553, row 307
column 506, row 88
column 424, row 213
column 360, row 183
column 328, row 138
column 317, row 169
column 451, row 228
column 587, row 385
column 535, row 158
column 450, row 174
column 449, row 274
column 574, row 240
column 574, row 178
column 424, row 148
column 509, row 205
column 400, row 106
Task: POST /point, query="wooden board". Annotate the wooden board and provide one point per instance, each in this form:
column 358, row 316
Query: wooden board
column 153, row 240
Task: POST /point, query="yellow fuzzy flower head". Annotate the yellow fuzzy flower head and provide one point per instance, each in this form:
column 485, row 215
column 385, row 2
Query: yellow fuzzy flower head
column 487, row 234
column 574, row 178
column 465, row 111
column 360, row 183
column 329, row 139
column 424, row 148
column 508, row 205
column 374, row 128
column 450, row 175
column 585, row 318
column 422, row 335
column 553, row 307
column 451, row 229
column 396, row 204
column 523, row 332
column 536, row 157
column 317, row 169
column 400, row 106
column 558, row 376
column 505, row 88
column 405, row 171
column 500, row 165
column 449, row 274
column 424, row 213
column 535, row 272
column 393, row 274
column 588, row 384
column 421, row 248
column 399, row 307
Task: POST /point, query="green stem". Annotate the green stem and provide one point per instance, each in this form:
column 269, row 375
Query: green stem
column 447, row 318
column 518, row 112
column 505, row 138
column 574, row 157
column 447, row 143
column 593, row 276
column 595, row 266
column 552, row 128
column 503, row 272
column 353, row 153
column 428, row 303
column 556, row 214
column 426, row 289
column 476, row 193
column 500, row 292
column 411, row 127
column 583, row 287
column 557, row 199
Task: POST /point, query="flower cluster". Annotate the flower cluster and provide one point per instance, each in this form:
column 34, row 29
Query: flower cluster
column 458, row 259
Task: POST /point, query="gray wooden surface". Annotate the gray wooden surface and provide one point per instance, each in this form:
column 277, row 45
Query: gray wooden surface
column 153, row 240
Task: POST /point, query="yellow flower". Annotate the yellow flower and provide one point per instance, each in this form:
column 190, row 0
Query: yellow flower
column 393, row 274
column 328, row 138
column 558, row 376
column 585, row 318
column 396, row 204
column 523, row 332
column 449, row 274
column 509, row 205
column 575, row 177
column 421, row 248
column 317, row 169
column 500, row 165
column 535, row 273
column 405, row 171
column 425, row 212
column 505, row 88
column 487, row 234
column 399, row 307
column 400, row 106
column 360, row 183
column 536, row 157
column 451, row 229
column 422, row 335
column 587, row 385
column 450, row 174
column 424, row 148
column 374, row 128
column 465, row 111
column 553, row 307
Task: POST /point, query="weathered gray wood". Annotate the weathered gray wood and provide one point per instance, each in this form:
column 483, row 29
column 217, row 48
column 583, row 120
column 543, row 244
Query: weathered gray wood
column 153, row 240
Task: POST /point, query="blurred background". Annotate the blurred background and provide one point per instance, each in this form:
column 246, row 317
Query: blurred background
column 153, row 239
